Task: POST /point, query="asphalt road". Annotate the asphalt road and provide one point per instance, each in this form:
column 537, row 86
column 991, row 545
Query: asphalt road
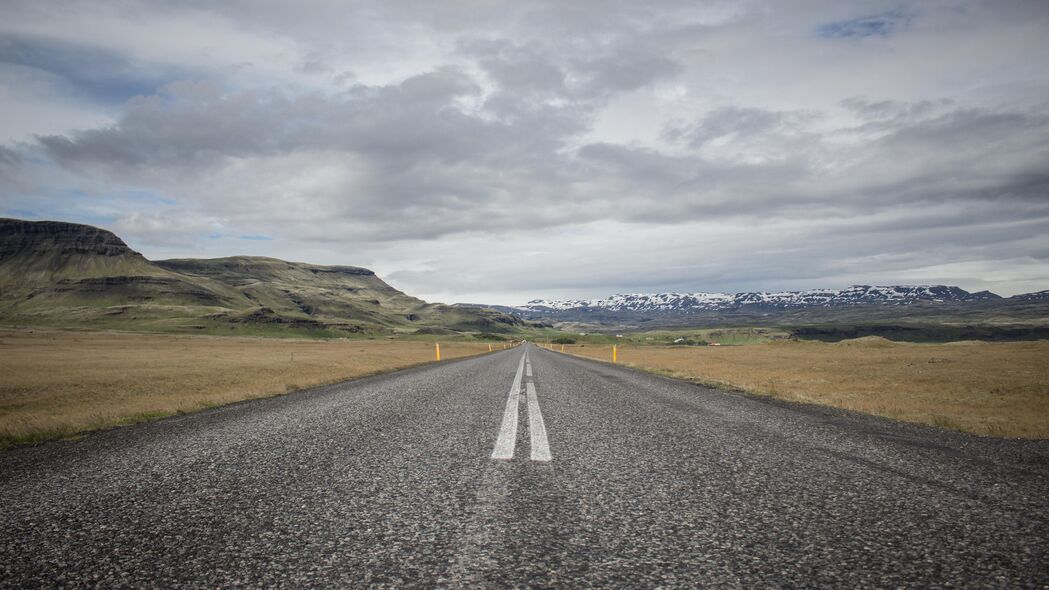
column 644, row 482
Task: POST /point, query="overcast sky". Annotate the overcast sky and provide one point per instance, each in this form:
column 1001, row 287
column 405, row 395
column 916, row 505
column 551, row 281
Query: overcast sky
column 498, row 151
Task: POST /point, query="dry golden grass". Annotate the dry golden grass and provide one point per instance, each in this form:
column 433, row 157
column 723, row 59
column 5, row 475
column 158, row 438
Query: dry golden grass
column 55, row 384
column 1000, row 389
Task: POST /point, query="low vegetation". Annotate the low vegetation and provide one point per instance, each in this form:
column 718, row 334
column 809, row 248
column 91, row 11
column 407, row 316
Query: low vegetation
column 57, row 384
column 990, row 388
column 63, row 275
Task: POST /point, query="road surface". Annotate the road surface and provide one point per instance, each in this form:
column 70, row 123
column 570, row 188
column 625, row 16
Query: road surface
column 497, row 471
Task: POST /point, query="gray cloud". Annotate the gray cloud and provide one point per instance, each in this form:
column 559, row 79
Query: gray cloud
column 746, row 124
column 520, row 70
column 437, row 143
column 424, row 167
column 893, row 110
column 9, row 158
column 628, row 69
column 192, row 124
column 93, row 73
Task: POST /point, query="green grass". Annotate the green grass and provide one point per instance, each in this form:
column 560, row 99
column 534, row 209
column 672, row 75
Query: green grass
column 726, row 336
column 918, row 333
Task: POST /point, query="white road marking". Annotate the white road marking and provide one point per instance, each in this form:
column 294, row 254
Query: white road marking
column 540, row 446
column 528, row 369
column 504, row 445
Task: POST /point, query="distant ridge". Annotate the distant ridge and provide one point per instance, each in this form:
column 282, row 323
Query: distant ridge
column 1037, row 296
column 691, row 302
column 918, row 312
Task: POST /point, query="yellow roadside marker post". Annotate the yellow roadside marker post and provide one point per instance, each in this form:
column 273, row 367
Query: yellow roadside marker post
column 489, row 348
column 438, row 350
column 562, row 348
column 614, row 353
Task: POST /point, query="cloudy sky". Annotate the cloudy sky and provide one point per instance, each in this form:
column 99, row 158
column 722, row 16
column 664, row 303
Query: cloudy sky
column 497, row 151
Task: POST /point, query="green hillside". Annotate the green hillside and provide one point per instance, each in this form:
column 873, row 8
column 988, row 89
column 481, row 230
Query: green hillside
column 70, row 275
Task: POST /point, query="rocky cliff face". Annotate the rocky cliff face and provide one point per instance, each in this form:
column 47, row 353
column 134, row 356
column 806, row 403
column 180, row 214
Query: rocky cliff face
column 37, row 255
column 56, row 239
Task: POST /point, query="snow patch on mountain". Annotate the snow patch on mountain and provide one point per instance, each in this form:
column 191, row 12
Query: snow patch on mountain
column 692, row 302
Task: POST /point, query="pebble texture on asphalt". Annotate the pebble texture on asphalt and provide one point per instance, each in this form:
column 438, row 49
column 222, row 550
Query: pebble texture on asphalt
column 388, row 481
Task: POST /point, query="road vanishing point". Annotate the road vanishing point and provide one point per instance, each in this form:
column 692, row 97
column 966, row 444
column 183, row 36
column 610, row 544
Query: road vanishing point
column 525, row 468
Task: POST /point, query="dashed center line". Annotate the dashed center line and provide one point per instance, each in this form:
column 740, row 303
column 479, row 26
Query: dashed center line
column 540, row 446
column 507, row 439
column 504, row 445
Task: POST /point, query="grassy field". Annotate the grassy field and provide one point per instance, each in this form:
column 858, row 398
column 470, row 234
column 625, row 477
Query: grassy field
column 57, row 384
column 726, row 335
column 999, row 388
column 734, row 336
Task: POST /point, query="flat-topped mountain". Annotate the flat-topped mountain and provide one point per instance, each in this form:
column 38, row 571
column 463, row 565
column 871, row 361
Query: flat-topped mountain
column 58, row 239
column 49, row 265
column 41, row 252
column 67, row 274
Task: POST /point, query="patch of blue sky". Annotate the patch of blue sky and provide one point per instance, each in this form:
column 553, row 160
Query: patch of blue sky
column 73, row 204
column 48, row 209
column 880, row 25
column 95, row 74
column 21, row 214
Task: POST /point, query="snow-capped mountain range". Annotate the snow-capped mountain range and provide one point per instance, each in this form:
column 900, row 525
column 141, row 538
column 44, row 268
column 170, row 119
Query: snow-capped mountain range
column 697, row 302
